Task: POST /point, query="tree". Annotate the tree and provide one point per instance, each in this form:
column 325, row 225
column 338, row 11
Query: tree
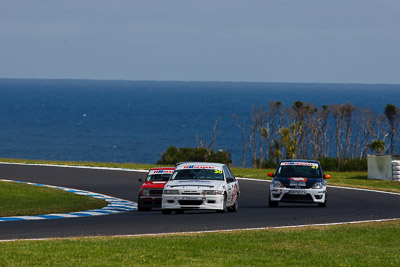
column 272, row 120
column 377, row 146
column 174, row 155
column 289, row 139
column 323, row 127
column 392, row 115
column 258, row 119
column 343, row 119
column 245, row 142
column 368, row 121
column 275, row 151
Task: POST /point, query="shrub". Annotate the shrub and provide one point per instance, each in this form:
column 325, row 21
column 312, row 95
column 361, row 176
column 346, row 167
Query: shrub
column 354, row 165
column 331, row 164
column 174, row 155
column 269, row 164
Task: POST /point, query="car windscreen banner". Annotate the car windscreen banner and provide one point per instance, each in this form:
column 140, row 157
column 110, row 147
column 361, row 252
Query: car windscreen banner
column 161, row 172
column 299, row 164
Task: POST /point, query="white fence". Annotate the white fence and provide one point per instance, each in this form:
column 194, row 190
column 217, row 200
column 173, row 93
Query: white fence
column 384, row 167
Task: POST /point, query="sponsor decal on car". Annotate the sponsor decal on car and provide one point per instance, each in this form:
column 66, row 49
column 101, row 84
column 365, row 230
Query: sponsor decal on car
column 299, row 179
column 161, row 172
column 299, row 164
column 193, row 181
column 198, row 167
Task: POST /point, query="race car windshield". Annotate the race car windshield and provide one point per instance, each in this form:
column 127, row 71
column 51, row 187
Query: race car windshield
column 309, row 171
column 158, row 177
column 198, row 174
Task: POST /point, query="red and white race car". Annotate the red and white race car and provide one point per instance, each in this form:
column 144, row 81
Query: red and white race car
column 150, row 194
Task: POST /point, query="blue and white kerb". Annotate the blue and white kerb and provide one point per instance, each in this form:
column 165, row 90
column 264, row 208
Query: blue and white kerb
column 116, row 205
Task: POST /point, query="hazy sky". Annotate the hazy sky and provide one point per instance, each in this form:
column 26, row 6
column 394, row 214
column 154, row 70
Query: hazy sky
column 337, row 41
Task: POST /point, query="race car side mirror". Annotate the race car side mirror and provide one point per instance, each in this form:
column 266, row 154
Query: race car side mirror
column 270, row 174
column 327, row 176
column 140, row 180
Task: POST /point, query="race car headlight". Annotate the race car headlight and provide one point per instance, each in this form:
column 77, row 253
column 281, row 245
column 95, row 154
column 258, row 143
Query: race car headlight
column 171, row 192
column 209, row 192
column 145, row 192
column 277, row 184
column 317, row 186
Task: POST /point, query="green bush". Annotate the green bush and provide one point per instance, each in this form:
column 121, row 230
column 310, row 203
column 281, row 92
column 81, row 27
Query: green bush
column 174, row 155
column 348, row 165
column 354, row 165
column 329, row 164
column 269, row 164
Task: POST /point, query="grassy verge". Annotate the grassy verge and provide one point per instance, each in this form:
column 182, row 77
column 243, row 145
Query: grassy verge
column 349, row 179
column 82, row 163
column 359, row 180
column 347, row 245
column 22, row 199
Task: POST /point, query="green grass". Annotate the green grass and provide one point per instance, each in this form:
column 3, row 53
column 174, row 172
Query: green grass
column 347, row 245
column 18, row 199
column 359, row 180
column 82, row 163
column 252, row 173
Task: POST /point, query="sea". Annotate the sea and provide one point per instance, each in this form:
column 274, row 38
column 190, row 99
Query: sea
column 136, row 121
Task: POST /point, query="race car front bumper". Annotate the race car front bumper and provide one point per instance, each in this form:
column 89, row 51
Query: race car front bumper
column 303, row 195
column 150, row 201
column 200, row 202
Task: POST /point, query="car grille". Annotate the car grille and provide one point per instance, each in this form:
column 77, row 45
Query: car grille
column 156, row 192
column 299, row 198
column 190, row 202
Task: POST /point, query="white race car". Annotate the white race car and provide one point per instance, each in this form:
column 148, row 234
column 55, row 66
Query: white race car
column 199, row 186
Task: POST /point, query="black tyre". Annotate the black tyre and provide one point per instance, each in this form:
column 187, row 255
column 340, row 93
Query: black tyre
column 323, row 205
column 224, row 209
column 235, row 206
column 140, row 206
column 272, row 204
column 165, row 211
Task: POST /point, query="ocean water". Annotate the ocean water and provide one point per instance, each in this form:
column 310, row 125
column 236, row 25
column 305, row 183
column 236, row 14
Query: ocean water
column 135, row 121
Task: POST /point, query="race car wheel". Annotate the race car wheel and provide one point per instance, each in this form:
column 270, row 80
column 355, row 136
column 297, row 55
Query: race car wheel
column 165, row 211
column 140, row 206
column 322, row 205
column 271, row 203
column 235, row 206
column 224, row 209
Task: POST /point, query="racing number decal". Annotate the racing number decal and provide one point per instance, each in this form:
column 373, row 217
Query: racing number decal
column 217, row 171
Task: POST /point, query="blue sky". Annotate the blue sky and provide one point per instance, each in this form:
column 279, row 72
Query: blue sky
column 336, row 41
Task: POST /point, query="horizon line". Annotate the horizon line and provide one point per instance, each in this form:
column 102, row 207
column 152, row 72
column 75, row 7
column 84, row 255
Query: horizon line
column 198, row 81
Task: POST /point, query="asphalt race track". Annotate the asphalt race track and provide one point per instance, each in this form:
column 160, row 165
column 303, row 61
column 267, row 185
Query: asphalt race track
column 344, row 205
